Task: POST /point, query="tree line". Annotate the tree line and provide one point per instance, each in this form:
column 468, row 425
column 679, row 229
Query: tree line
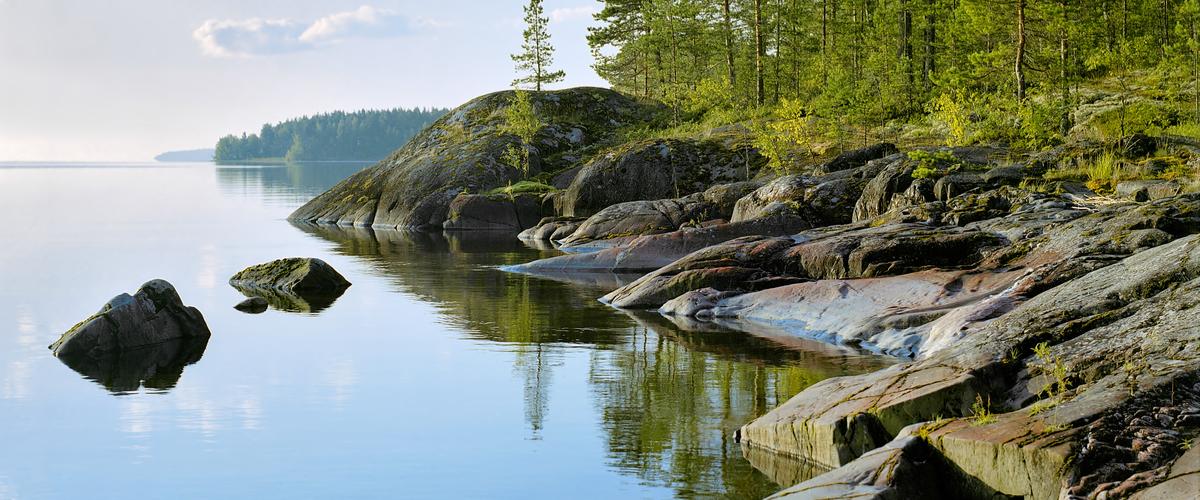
column 358, row 135
column 872, row 61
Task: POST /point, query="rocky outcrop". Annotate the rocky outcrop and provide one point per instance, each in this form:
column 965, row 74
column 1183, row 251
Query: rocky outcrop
column 154, row 314
column 657, row 169
column 1148, row 190
column 292, row 284
column 414, row 187
column 1028, row 383
column 636, row 218
column 495, row 212
column 551, row 229
column 646, row 253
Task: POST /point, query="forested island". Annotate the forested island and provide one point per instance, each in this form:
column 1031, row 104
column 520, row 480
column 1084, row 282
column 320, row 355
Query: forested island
column 337, row 136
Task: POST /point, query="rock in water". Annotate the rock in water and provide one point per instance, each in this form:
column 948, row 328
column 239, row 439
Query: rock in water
column 152, row 315
column 296, row 284
column 298, row 275
column 252, row 305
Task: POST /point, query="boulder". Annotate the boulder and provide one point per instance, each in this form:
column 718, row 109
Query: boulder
column 858, row 157
column 636, row 218
column 1148, row 189
column 154, row 314
column 496, row 212
column 296, row 274
column 656, row 169
column 414, row 187
column 551, row 229
column 894, row 178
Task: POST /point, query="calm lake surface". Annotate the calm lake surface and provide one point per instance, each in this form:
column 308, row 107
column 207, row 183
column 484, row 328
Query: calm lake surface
column 435, row 375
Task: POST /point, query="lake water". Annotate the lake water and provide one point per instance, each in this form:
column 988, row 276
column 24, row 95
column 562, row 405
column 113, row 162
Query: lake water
column 434, row 375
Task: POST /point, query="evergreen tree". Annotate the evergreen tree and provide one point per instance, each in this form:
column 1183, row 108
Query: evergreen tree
column 537, row 55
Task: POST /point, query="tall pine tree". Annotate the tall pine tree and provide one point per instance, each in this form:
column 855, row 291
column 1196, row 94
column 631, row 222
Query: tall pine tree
column 537, row 55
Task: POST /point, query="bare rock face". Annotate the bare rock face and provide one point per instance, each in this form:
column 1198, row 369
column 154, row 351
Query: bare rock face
column 154, row 314
column 293, row 284
column 414, row 187
column 479, row 212
column 655, row 170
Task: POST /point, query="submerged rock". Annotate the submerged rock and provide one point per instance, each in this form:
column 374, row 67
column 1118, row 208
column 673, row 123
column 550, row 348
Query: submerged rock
column 253, row 305
column 127, row 340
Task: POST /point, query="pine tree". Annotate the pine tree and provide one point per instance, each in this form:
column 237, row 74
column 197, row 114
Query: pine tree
column 537, row 55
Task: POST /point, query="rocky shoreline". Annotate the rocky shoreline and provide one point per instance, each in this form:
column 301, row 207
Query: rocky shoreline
column 1046, row 328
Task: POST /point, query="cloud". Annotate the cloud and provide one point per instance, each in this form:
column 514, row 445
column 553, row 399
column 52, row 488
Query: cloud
column 568, row 14
column 255, row 37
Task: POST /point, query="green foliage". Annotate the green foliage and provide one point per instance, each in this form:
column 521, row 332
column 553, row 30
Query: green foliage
column 520, row 119
column 932, row 164
column 537, row 55
column 953, row 110
column 361, row 135
column 981, row 411
column 790, row 134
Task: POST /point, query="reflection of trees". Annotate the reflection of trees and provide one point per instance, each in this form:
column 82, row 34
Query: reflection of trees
column 292, row 183
column 669, row 398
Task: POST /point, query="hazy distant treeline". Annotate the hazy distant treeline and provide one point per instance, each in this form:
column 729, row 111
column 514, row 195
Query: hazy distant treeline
column 360, row 135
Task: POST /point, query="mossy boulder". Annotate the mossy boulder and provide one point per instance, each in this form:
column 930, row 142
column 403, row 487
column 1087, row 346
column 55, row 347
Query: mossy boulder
column 154, row 314
column 414, row 187
column 295, row 284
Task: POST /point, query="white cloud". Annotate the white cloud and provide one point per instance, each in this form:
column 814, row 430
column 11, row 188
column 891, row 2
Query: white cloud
column 568, row 14
column 252, row 37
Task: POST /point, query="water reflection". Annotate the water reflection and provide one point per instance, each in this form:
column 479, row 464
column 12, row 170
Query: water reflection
column 289, row 184
column 668, row 398
column 157, row 366
column 310, row 302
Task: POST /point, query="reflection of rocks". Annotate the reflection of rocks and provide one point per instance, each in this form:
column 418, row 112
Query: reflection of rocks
column 783, row 469
column 283, row 300
column 152, row 315
column 155, row 366
column 295, row 284
column 252, row 305
column 144, row 338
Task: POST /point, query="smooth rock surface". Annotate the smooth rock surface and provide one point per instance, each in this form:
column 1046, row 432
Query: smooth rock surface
column 154, row 314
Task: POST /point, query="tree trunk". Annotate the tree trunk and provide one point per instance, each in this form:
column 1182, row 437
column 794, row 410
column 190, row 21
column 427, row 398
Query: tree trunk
column 1020, row 59
column 758, row 54
column 732, row 73
column 1063, row 60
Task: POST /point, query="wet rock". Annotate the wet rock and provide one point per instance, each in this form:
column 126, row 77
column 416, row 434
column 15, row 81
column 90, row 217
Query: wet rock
column 496, row 212
column 154, row 314
column 252, row 305
column 414, row 187
column 657, row 169
column 551, row 229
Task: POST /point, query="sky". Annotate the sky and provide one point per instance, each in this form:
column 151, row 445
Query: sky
column 124, row 80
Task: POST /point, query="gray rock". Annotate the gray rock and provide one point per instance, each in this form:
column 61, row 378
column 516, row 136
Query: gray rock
column 1148, row 190
column 154, row 314
column 496, row 212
